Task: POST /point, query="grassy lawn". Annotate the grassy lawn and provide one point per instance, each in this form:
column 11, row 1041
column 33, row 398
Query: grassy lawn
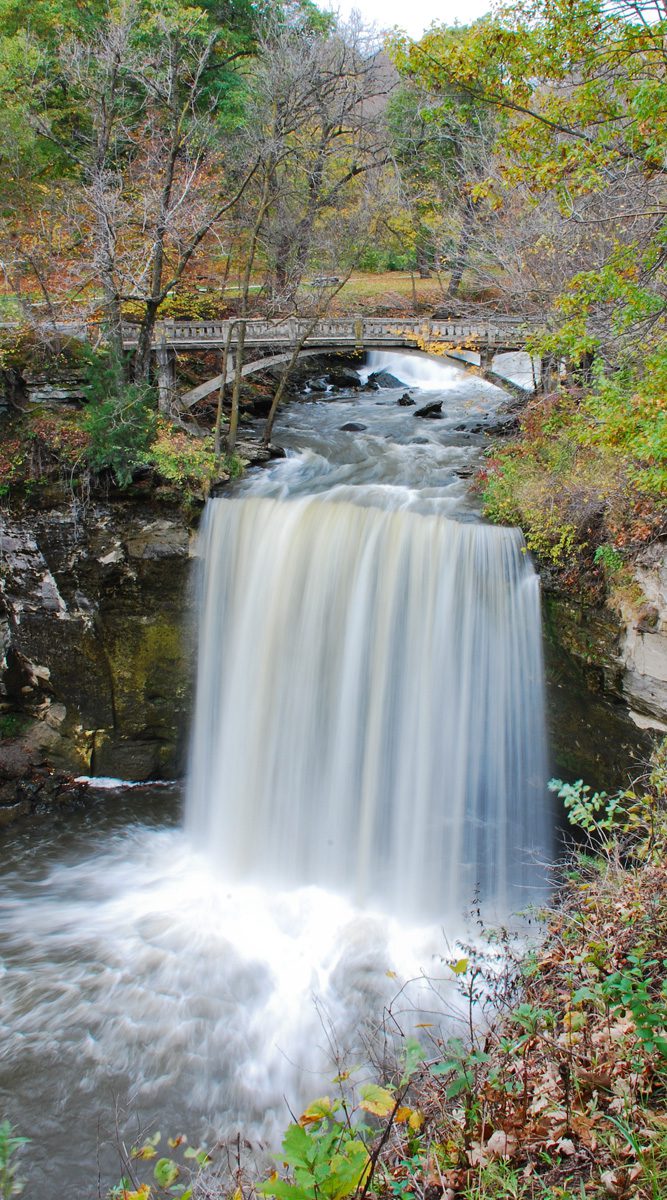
column 389, row 291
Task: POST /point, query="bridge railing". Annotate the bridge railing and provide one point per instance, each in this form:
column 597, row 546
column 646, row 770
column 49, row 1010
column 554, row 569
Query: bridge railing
column 341, row 331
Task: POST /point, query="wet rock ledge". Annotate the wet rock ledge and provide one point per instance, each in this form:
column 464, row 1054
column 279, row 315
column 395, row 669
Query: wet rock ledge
column 96, row 640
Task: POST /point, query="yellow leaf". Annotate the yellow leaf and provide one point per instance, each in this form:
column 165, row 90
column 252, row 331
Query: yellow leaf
column 376, row 1100
column 317, row 1110
column 415, row 1121
column 402, row 1114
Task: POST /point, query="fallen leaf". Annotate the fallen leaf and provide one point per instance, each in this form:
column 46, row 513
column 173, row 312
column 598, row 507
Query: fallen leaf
column 501, row 1144
column 566, row 1146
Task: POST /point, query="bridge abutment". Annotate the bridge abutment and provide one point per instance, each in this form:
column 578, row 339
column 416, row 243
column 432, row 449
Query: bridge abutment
column 165, row 360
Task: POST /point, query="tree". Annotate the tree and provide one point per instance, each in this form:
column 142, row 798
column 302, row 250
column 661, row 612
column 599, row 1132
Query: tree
column 438, row 150
column 130, row 123
column 317, row 158
column 320, row 135
column 578, row 89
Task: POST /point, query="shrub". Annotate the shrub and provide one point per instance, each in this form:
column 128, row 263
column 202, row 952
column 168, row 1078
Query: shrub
column 120, row 419
column 586, row 477
column 12, row 464
column 189, row 462
column 25, row 349
column 182, row 306
column 10, row 1148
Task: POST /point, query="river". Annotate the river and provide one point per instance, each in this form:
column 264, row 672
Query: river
column 368, row 763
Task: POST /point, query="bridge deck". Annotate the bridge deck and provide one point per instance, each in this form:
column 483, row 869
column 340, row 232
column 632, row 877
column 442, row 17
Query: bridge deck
column 337, row 333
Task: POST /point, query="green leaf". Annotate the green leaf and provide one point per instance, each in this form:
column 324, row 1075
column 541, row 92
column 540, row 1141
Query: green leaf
column 166, row 1172
column 445, row 1068
column 319, row 1109
column 413, row 1056
column 283, row 1190
column 298, row 1147
column 462, row 1083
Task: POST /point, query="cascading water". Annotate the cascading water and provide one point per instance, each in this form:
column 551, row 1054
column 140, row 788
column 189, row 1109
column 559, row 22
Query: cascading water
column 416, row 370
column 368, row 730
column 369, row 712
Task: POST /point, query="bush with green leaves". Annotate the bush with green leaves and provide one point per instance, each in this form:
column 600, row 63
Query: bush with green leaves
column 189, row 463
column 120, row 419
column 334, row 1149
column 10, row 1148
column 586, row 478
column 636, row 814
column 171, row 1173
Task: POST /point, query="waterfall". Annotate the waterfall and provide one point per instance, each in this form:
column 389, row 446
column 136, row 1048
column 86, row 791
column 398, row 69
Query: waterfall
column 413, row 370
column 369, row 712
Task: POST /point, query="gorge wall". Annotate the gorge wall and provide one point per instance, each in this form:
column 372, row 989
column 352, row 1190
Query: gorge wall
column 95, row 612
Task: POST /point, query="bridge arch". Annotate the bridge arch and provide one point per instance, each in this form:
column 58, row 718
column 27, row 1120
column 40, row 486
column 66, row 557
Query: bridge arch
column 483, row 369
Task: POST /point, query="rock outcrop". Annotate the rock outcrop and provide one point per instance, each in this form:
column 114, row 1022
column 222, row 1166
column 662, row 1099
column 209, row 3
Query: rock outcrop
column 620, row 655
column 96, row 654
column 643, row 647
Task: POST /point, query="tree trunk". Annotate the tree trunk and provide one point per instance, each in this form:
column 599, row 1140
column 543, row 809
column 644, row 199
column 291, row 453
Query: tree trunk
column 165, row 378
column 460, row 260
column 113, row 321
column 245, row 294
column 236, row 392
column 141, row 364
column 221, row 395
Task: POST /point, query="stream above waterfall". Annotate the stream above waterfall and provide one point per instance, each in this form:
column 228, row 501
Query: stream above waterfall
column 191, row 975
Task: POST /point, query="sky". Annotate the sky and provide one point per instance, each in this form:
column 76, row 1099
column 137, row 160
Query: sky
column 412, row 15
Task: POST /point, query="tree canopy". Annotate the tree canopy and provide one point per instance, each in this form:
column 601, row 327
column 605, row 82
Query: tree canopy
column 578, row 89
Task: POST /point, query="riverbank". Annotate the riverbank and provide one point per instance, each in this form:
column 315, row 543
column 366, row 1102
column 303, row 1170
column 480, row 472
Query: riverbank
column 585, row 477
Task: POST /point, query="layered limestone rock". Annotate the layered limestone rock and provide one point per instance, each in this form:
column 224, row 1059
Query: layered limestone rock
column 620, row 654
column 96, row 665
column 643, row 648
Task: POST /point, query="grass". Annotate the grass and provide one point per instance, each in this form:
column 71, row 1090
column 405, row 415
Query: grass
column 390, row 290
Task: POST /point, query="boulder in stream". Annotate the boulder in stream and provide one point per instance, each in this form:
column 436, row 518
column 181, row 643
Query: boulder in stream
column 344, row 377
column 319, row 385
column 431, row 411
column 384, row 379
column 405, row 400
column 353, row 427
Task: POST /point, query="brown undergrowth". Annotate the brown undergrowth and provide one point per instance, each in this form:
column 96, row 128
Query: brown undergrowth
column 564, row 1093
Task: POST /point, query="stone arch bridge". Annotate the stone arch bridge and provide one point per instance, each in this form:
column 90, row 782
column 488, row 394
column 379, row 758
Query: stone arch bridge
column 275, row 341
